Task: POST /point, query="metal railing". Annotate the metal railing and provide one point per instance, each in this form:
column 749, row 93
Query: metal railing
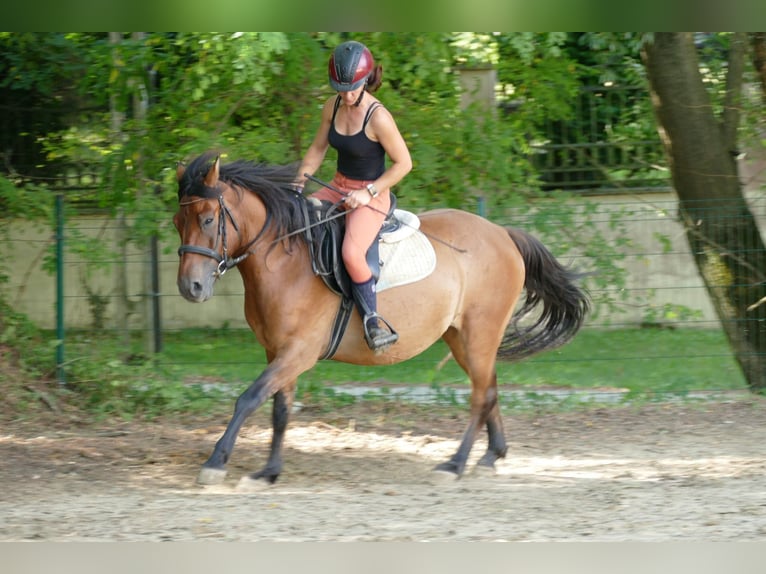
column 605, row 147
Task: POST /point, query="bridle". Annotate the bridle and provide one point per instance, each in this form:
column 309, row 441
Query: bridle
column 224, row 261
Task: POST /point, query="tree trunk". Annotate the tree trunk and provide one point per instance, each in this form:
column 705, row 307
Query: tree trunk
column 722, row 232
column 759, row 59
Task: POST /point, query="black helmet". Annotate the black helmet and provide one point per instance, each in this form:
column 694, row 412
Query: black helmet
column 350, row 65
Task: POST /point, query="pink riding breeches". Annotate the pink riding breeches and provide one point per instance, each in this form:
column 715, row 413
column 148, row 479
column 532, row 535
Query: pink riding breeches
column 362, row 225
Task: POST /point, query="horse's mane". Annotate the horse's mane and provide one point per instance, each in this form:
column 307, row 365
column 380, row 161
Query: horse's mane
column 273, row 184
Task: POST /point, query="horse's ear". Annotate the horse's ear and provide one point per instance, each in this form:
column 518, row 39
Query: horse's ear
column 211, row 179
column 180, row 170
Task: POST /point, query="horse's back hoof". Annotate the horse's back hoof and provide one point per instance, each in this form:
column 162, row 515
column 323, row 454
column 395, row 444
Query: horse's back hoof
column 249, row 484
column 211, row 476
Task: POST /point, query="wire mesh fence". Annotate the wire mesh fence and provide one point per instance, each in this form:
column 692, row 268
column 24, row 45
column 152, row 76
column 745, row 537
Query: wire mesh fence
column 653, row 319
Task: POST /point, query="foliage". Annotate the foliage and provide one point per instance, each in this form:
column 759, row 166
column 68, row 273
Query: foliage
column 133, row 105
column 21, row 202
column 146, row 101
column 205, row 367
column 109, row 388
column 149, row 100
column 242, row 93
column 129, row 109
column 32, row 351
column 201, row 371
column 588, row 237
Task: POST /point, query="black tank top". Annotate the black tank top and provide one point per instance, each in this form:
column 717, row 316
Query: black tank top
column 358, row 156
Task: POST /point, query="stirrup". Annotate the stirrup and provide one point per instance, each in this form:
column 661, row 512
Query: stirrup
column 379, row 339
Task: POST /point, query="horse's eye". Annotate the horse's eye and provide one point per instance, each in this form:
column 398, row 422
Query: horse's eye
column 208, row 221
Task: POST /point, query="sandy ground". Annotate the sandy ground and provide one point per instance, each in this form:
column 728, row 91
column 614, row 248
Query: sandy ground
column 659, row 472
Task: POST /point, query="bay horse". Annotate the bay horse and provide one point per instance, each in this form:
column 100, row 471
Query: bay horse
column 248, row 215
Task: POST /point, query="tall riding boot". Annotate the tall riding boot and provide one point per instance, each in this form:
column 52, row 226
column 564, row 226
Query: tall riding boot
column 365, row 298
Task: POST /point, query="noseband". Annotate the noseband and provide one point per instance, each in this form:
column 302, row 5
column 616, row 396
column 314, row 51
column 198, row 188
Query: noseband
column 224, row 261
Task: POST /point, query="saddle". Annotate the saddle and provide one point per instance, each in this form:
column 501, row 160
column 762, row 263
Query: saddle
column 324, row 235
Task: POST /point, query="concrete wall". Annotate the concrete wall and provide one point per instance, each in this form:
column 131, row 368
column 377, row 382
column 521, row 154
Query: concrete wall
column 478, row 85
column 33, row 291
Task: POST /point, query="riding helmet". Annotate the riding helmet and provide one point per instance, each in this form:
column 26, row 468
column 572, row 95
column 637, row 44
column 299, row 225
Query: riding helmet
column 350, row 65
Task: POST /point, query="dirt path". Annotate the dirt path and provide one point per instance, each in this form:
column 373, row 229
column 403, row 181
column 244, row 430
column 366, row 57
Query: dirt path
column 658, row 472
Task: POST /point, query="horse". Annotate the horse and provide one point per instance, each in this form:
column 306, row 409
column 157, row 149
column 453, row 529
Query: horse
column 249, row 215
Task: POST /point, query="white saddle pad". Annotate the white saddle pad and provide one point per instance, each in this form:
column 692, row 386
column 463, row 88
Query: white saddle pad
column 405, row 260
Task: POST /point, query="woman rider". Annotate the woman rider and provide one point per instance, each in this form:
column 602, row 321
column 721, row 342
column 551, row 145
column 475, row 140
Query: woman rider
column 363, row 132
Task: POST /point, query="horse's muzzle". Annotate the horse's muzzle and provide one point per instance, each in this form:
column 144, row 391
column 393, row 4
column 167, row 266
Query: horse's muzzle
column 196, row 290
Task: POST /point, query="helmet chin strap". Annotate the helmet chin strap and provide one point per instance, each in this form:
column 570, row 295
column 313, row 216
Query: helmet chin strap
column 361, row 95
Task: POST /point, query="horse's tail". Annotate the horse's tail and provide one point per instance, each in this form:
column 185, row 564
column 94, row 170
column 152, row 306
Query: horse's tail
column 564, row 304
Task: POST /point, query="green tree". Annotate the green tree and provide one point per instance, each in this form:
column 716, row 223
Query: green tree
column 700, row 134
column 143, row 101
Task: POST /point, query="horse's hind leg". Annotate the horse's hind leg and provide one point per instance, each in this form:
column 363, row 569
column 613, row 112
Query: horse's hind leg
column 496, row 447
column 480, row 367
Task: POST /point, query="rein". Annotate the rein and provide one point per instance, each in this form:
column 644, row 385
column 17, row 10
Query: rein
column 344, row 194
column 224, row 261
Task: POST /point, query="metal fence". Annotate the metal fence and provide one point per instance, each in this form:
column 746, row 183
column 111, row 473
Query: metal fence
column 605, row 147
column 129, row 294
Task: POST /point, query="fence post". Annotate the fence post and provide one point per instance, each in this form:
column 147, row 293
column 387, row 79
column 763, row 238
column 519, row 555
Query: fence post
column 60, row 374
column 155, row 295
column 482, row 206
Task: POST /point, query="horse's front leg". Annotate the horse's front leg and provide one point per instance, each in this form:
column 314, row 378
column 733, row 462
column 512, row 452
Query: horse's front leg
column 280, row 415
column 214, row 470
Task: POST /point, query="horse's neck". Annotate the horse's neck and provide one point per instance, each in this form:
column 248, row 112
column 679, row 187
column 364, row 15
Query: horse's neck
column 272, row 270
column 282, row 295
column 279, row 270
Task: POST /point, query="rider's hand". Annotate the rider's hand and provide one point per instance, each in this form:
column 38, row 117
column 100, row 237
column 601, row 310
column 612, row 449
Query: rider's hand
column 358, row 198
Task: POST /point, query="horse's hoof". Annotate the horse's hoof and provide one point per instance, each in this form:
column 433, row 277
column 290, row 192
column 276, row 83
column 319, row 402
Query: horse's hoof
column 444, row 476
column 444, row 473
column 211, row 476
column 484, row 470
column 249, row 484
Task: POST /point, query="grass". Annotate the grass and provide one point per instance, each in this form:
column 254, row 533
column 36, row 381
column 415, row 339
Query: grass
column 638, row 360
column 201, row 370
